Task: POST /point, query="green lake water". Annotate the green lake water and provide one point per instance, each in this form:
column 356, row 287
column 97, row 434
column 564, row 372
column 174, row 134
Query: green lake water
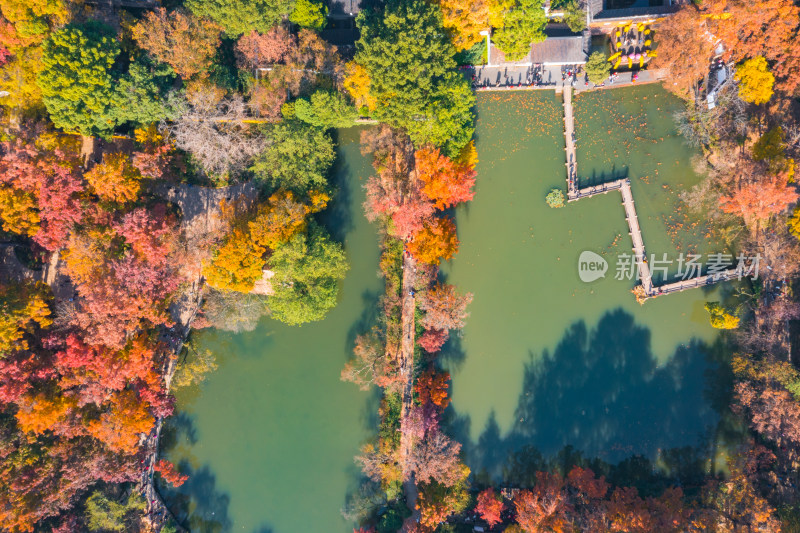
column 269, row 438
column 545, row 360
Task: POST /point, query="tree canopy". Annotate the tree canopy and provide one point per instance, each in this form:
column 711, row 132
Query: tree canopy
column 523, row 24
column 76, row 82
column 239, row 16
column 309, row 14
column 297, row 157
column 183, row 41
column 409, row 60
column 755, row 80
column 574, row 16
column 597, row 68
column 307, row 269
column 326, row 109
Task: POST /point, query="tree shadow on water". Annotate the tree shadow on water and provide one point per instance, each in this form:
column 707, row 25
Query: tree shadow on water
column 338, row 218
column 602, row 395
column 197, row 504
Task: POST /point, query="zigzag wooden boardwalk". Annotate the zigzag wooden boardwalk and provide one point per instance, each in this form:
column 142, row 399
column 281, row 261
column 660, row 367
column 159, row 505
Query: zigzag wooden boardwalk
column 634, row 230
column 593, row 190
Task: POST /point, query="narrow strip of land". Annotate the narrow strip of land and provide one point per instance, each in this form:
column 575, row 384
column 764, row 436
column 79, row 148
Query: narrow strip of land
column 406, row 364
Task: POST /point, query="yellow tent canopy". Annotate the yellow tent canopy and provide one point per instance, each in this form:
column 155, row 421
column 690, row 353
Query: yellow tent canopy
column 616, row 65
column 614, row 56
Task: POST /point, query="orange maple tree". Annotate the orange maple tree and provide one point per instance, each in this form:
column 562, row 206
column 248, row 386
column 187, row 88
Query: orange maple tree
column 444, row 181
column 122, row 421
column 544, row 508
column 115, row 179
column 685, row 49
column 757, row 201
column 436, row 241
column 490, row 507
column 432, row 387
column 169, row 474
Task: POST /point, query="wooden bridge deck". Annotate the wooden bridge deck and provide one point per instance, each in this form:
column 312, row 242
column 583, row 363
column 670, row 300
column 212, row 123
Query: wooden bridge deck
column 635, row 231
column 636, row 236
column 700, row 281
column 571, row 152
column 593, row 190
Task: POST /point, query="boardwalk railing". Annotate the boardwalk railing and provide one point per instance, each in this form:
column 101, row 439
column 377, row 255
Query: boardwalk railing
column 700, row 281
column 593, row 190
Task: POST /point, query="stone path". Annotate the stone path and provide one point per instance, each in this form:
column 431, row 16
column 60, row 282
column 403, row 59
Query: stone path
column 503, row 78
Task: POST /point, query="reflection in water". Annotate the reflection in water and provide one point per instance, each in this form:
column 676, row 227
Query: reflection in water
column 198, row 505
column 268, row 439
column 550, row 367
column 602, row 395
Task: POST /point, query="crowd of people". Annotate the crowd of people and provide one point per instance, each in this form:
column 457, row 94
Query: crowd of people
column 536, row 75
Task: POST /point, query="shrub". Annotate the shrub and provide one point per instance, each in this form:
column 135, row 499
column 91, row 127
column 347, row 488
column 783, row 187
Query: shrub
column 555, row 198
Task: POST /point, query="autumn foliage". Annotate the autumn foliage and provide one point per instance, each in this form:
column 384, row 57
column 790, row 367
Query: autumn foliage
column 747, row 30
column 255, row 50
column 445, row 308
column 436, row 241
column 240, row 260
column 115, row 179
column 169, row 474
column 757, row 202
column 41, row 192
column 490, row 507
column 431, row 387
column 445, row 182
column 183, row 41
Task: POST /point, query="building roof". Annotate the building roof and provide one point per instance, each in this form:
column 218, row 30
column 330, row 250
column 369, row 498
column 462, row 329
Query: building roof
column 344, row 8
column 559, row 51
column 633, row 12
column 599, row 12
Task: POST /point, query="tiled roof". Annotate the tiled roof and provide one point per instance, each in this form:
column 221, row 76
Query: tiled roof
column 598, row 13
column 559, row 50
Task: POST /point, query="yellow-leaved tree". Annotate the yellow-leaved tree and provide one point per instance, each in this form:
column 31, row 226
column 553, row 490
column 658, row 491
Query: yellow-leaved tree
column 720, row 317
column 755, row 80
column 237, row 264
column 281, row 218
column 22, row 308
column 115, row 179
column 466, row 19
column 357, row 83
column 18, row 211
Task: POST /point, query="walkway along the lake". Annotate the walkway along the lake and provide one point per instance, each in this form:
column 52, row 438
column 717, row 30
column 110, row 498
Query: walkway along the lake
column 648, row 290
column 406, row 364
